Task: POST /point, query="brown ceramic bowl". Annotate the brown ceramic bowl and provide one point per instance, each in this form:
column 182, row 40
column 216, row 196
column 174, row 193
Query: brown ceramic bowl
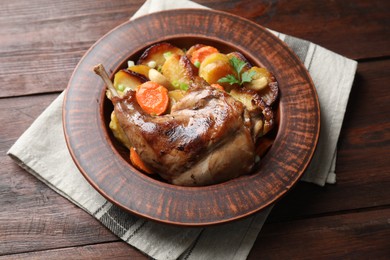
column 104, row 163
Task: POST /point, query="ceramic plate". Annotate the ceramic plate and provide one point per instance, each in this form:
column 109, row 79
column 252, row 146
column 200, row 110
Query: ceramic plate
column 104, row 163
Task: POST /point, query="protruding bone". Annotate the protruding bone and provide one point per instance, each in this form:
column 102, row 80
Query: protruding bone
column 99, row 70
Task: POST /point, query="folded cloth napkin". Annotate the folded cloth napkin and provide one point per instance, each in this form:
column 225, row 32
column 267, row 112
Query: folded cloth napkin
column 42, row 151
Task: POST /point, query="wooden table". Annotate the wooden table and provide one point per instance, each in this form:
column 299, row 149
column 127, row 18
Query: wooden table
column 42, row 41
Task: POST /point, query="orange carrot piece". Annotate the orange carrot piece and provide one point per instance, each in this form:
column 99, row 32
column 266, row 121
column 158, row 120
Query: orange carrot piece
column 200, row 54
column 152, row 97
column 216, row 85
column 137, row 161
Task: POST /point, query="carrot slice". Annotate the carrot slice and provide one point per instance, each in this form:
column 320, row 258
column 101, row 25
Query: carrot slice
column 216, row 85
column 137, row 161
column 200, row 54
column 152, row 97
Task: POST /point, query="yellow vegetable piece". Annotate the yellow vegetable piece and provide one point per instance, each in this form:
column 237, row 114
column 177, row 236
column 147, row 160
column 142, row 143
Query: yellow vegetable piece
column 260, row 79
column 176, row 95
column 118, row 132
column 178, row 69
column 141, row 69
column 129, row 79
column 214, row 67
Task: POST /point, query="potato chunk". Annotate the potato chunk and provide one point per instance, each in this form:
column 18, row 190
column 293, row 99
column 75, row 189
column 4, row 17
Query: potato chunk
column 176, row 95
column 264, row 83
column 215, row 67
column 141, row 69
column 118, row 132
column 127, row 79
column 179, row 70
column 260, row 79
column 158, row 53
column 246, row 98
column 260, row 112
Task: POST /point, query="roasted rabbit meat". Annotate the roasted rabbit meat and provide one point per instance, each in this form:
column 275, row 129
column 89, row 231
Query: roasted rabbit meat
column 206, row 138
column 193, row 117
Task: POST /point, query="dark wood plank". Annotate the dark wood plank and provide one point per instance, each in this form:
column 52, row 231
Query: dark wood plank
column 32, row 216
column 42, row 41
column 347, row 236
column 40, row 44
column 18, row 114
column 356, row 29
column 369, row 100
column 362, row 235
column 114, row 250
column 363, row 168
column 363, row 178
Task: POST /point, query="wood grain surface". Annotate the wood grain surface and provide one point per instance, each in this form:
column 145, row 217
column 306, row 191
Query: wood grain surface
column 42, row 41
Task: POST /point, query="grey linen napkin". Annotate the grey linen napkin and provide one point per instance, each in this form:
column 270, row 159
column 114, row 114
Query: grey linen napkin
column 42, row 151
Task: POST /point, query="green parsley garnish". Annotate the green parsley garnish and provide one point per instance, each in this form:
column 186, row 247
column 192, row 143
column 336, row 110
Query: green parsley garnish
column 238, row 65
column 231, row 79
column 180, row 85
column 167, row 54
column 247, row 76
column 197, row 64
column 184, row 86
column 121, row 87
column 175, row 83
